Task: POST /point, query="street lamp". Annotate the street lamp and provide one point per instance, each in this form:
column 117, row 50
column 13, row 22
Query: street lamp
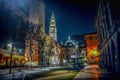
column 10, row 48
column 20, row 50
column 76, row 46
column 9, row 45
column 47, row 58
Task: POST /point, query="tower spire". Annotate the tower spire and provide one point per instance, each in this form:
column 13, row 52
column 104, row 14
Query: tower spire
column 52, row 15
column 52, row 28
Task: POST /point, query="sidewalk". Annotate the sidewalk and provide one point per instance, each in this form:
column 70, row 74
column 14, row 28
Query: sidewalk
column 21, row 75
column 6, row 71
column 93, row 72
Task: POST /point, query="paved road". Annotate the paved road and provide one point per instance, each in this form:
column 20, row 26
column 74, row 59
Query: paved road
column 90, row 72
column 93, row 72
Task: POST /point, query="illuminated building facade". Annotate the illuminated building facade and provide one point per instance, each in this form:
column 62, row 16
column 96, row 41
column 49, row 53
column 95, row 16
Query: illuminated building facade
column 55, row 60
column 42, row 47
column 53, row 28
column 55, row 53
column 107, row 23
column 91, row 46
column 72, row 52
column 66, row 50
column 16, row 58
column 62, row 54
column 51, row 52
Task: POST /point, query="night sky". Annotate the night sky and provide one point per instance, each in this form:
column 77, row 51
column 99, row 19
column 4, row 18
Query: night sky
column 72, row 16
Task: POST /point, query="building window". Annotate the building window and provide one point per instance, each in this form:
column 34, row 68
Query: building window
column 90, row 38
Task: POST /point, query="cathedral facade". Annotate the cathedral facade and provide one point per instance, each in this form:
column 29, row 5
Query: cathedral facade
column 55, row 60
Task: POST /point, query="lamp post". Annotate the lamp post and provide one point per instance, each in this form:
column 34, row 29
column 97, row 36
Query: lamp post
column 47, row 58
column 10, row 48
column 76, row 46
column 20, row 50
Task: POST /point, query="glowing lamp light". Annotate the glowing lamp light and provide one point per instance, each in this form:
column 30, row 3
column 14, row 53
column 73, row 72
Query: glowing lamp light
column 20, row 50
column 64, row 61
column 26, row 59
column 94, row 52
column 23, row 61
column 9, row 45
column 84, row 59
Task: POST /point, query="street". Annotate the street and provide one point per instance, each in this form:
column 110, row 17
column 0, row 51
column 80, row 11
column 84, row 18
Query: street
column 90, row 72
column 93, row 72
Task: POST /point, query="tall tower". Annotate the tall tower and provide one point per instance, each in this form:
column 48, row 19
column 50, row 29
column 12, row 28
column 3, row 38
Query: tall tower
column 52, row 28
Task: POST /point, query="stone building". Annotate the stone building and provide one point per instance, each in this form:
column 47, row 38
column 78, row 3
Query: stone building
column 55, row 46
column 72, row 52
column 107, row 23
column 36, row 32
column 91, row 46
column 41, row 49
